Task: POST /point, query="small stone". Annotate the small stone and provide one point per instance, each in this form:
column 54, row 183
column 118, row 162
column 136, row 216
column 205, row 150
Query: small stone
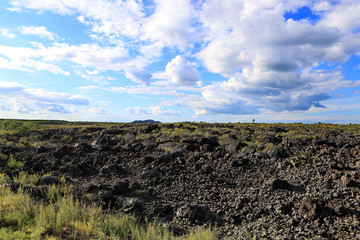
column 120, row 188
column 280, row 184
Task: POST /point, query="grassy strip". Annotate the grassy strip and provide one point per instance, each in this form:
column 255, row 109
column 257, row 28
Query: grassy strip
column 64, row 217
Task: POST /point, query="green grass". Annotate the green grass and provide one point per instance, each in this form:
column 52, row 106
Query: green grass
column 4, row 142
column 17, row 126
column 13, row 164
column 64, row 217
column 251, row 236
column 23, row 142
column 27, row 179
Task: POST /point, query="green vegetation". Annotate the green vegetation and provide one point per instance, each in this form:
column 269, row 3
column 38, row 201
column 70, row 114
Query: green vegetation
column 66, row 138
column 17, row 126
column 297, row 130
column 23, row 142
column 250, row 236
column 4, row 142
column 142, row 136
column 64, row 217
column 13, row 164
column 61, row 216
column 168, row 149
column 10, row 163
column 268, row 147
column 27, row 179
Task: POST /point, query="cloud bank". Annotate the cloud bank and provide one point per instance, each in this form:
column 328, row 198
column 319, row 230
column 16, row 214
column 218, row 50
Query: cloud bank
column 21, row 99
column 270, row 62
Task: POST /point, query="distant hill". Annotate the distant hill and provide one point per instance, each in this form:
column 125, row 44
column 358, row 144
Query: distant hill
column 146, row 121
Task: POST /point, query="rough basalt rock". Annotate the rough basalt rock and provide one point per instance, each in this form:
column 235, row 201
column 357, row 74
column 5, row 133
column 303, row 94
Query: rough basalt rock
column 282, row 181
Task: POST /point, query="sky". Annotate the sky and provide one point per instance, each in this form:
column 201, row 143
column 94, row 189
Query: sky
column 181, row 60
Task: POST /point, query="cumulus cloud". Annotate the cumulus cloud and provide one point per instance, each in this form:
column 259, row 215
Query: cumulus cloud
column 268, row 59
column 136, row 110
column 181, row 71
column 39, row 31
column 138, row 75
column 27, row 59
column 171, row 23
column 23, row 108
column 89, row 55
column 4, row 108
column 7, row 33
column 270, row 62
column 54, row 108
column 27, row 100
column 344, row 15
column 46, row 58
column 153, row 110
column 99, row 111
column 106, row 17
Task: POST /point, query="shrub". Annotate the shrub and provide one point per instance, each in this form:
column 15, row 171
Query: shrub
column 13, row 164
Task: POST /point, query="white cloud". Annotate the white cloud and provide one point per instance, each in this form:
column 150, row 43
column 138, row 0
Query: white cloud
column 138, row 75
column 152, row 50
column 57, row 108
column 27, row 59
column 106, row 17
column 135, row 110
column 344, row 15
column 159, row 110
column 42, row 5
column 28, row 100
column 99, row 111
column 181, row 71
column 73, row 110
column 171, row 23
column 7, row 33
column 4, row 108
column 153, row 110
column 46, row 58
column 40, row 31
column 23, row 108
column 271, row 63
column 88, row 55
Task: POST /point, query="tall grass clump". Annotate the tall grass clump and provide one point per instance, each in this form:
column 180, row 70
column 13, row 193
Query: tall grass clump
column 62, row 216
column 13, row 164
column 27, row 179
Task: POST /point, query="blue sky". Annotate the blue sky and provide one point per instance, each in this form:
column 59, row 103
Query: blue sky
column 180, row 60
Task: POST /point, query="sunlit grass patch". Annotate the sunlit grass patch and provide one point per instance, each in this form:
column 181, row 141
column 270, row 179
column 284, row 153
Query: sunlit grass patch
column 27, row 179
column 64, row 216
column 13, row 164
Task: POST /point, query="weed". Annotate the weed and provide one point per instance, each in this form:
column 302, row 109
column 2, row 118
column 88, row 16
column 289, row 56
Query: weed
column 13, row 164
column 268, row 147
column 6, row 143
column 3, row 178
column 66, row 138
column 65, row 217
column 27, row 179
column 23, row 142
column 3, row 158
column 250, row 236
column 141, row 137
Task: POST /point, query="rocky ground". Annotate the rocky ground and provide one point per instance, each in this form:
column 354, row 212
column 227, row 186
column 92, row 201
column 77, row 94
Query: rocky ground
column 279, row 181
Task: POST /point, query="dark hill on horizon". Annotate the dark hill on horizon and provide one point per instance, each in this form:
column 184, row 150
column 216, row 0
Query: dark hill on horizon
column 146, row 121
